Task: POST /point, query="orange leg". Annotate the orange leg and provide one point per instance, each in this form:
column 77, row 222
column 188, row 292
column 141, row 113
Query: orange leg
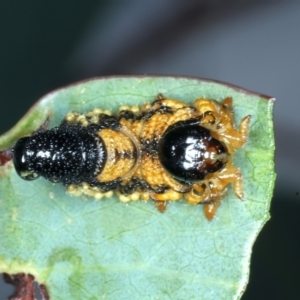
column 211, row 190
column 161, row 199
column 160, row 205
column 210, row 209
column 218, row 118
column 167, row 195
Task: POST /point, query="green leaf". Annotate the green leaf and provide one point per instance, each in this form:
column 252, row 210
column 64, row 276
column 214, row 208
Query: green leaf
column 81, row 248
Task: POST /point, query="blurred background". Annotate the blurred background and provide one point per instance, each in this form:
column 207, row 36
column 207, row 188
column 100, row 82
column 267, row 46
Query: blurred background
column 45, row 45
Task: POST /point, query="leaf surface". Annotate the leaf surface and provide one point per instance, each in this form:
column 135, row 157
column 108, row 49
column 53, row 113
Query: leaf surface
column 81, row 248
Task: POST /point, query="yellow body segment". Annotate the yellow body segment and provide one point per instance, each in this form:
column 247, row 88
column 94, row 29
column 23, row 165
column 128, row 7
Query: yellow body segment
column 132, row 152
column 120, row 155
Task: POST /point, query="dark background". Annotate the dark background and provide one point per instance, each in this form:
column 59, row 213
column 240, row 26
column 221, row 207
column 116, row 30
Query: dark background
column 254, row 44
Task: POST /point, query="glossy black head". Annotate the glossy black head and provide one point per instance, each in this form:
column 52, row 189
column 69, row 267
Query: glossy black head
column 68, row 154
column 188, row 152
column 20, row 160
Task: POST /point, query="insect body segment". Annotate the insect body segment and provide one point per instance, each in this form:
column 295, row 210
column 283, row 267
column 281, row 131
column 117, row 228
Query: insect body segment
column 66, row 154
column 165, row 151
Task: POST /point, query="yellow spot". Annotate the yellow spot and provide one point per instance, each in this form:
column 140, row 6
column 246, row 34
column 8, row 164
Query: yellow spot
column 70, row 117
column 124, row 198
column 98, row 196
column 124, row 107
column 107, row 112
column 135, row 196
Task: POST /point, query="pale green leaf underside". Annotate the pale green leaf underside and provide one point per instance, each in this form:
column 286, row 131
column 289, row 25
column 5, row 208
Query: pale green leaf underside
column 86, row 249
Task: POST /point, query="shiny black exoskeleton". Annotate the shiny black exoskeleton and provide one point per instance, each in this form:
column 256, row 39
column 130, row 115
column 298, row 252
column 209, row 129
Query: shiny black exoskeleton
column 73, row 154
column 189, row 152
column 67, row 154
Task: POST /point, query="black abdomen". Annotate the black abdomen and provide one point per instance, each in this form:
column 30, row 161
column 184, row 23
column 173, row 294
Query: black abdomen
column 67, row 154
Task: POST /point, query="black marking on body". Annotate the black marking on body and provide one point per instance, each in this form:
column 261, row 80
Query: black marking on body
column 136, row 183
column 105, row 122
column 128, row 154
column 104, row 186
column 161, row 110
column 145, row 116
column 150, row 146
column 129, row 115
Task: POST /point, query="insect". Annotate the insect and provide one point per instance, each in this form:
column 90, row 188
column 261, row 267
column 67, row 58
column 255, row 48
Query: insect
column 163, row 151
